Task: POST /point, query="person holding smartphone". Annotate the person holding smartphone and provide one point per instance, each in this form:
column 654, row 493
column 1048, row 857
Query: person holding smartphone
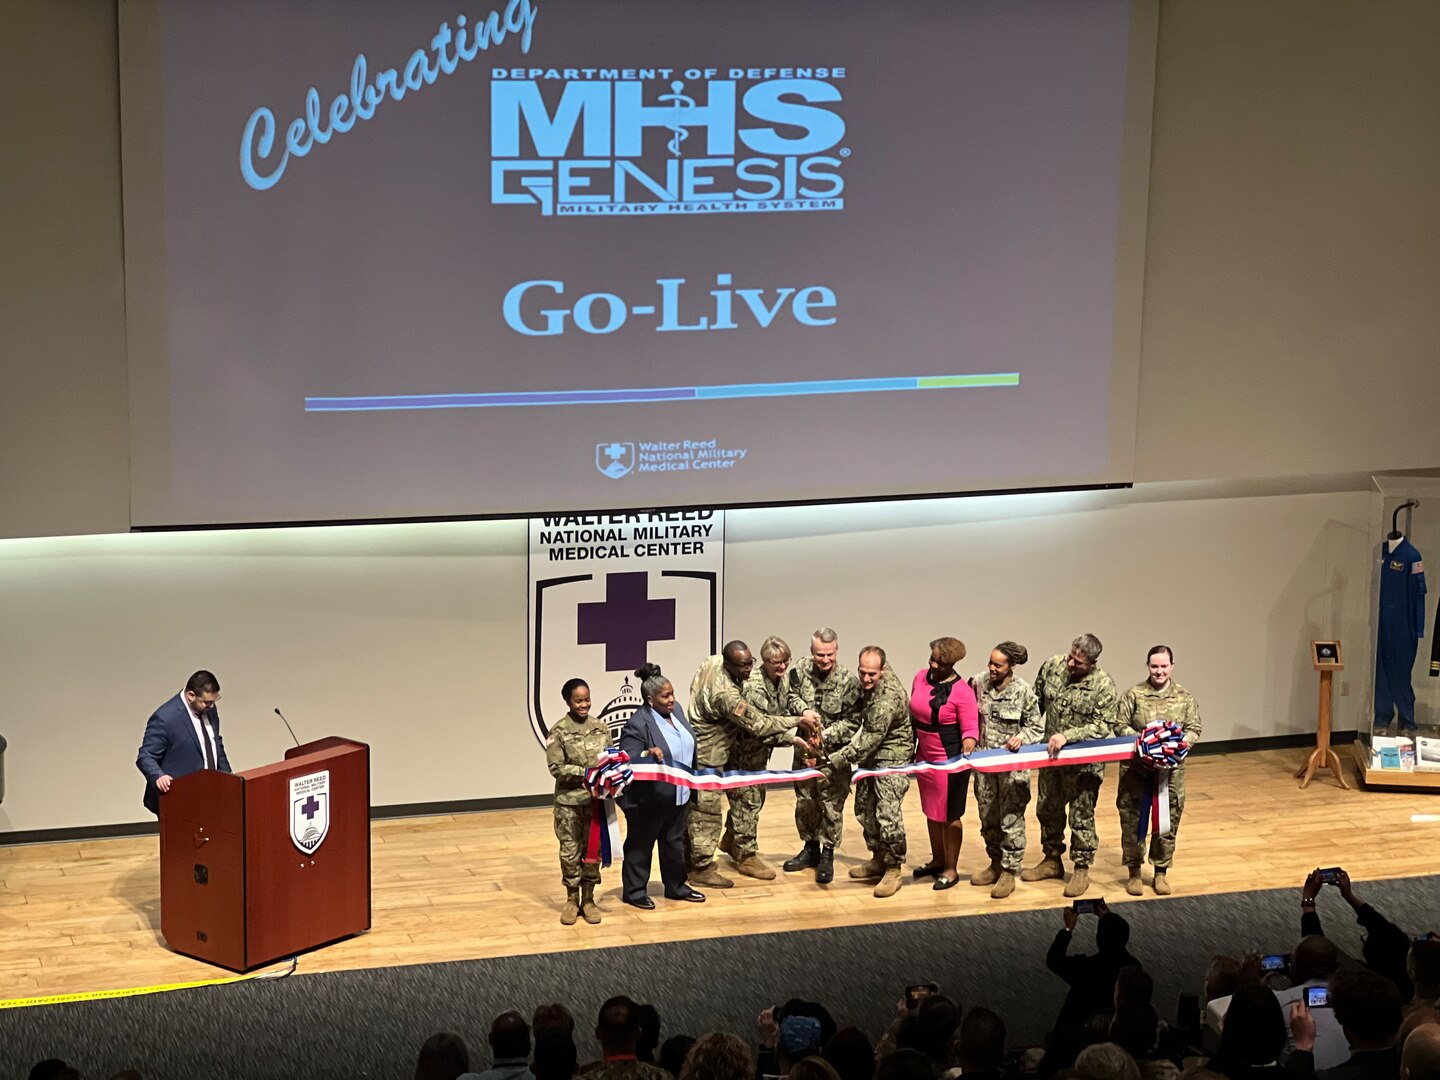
column 1091, row 978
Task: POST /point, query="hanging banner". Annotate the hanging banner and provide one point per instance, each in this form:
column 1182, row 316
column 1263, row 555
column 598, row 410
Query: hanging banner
column 609, row 592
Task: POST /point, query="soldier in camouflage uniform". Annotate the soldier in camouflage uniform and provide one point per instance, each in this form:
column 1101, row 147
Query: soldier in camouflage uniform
column 1158, row 698
column 768, row 691
column 575, row 742
column 883, row 737
column 720, row 715
column 828, row 687
column 1078, row 700
column 1010, row 718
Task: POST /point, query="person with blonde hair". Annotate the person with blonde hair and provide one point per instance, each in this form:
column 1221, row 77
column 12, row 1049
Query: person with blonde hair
column 718, row 1055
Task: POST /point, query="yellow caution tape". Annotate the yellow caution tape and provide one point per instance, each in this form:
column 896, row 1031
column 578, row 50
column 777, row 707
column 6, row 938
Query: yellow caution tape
column 137, row 991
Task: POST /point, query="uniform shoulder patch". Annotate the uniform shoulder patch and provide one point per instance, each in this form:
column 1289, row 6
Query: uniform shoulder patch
column 1418, row 566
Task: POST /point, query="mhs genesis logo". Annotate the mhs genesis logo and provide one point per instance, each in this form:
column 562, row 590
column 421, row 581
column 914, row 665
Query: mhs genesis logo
column 588, row 141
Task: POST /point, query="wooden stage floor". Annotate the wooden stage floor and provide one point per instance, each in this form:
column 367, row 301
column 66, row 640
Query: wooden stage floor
column 85, row 916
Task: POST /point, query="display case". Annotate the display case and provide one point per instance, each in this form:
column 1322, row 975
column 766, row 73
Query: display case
column 1398, row 743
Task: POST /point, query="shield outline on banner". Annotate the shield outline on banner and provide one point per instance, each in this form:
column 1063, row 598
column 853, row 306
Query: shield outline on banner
column 309, row 834
column 538, row 723
column 617, row 467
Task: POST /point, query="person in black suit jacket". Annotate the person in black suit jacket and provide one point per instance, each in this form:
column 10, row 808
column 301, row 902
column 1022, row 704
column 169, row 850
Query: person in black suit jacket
column 657, row 812
column 182, row 736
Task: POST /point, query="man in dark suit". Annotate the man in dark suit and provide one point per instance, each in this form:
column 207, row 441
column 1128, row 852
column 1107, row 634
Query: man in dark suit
column 1091, row 978
column 181, row 737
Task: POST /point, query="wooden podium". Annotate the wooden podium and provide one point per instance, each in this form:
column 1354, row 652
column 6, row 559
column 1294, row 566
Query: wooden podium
column 237, row 886
column 1327, row 659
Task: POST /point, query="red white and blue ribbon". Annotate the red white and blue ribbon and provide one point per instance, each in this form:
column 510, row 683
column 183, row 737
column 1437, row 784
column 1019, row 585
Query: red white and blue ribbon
column 1161, row 747
column 605, row 780
column 1034, row 756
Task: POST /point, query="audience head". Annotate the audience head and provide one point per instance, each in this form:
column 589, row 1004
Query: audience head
column 1200, row 1072
column 1133, row 984
column 554, row 1017
column 618, row 1026
column 980, row 1045
column 1417, row 1018
column 1254, row 1030
column 1112, row 932
column 813, row 1068
column 649, row 1019
column 852, row 1054
column 1222, row 977
column 442, row 1057
column 510, row 1036
column 799, row 1037
column 718, row 1055
column 1367, row 1007
column 673, row 1051
column 935, row 1022
column 801, row 1007
column 906, row 1065
column 1106, row 1061
column 1065, row 1043
column 1423, row 966
column 52, row 1067
column 1315, row 957
column 1420, row 1056
column 555, row 1057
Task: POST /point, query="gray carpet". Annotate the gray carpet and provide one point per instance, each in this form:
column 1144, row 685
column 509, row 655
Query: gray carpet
column 371, row 1023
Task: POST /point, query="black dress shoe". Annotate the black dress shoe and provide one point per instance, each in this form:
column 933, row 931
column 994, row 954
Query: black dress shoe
column 691, row 895
column 928, row 870
column 644, row 903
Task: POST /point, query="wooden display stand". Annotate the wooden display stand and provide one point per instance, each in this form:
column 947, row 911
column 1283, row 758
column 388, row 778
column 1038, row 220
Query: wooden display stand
column 1327, row 659
column 235, row 889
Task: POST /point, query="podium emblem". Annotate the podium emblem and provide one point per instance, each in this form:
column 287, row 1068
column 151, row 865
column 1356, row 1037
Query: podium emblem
column 309, row 810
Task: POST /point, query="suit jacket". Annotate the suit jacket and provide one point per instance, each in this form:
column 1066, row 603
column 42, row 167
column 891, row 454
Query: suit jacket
column 171, row 747
column 643, row 730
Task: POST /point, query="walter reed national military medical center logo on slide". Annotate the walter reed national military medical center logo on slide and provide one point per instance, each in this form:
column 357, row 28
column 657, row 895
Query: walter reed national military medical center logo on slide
column 582, row 141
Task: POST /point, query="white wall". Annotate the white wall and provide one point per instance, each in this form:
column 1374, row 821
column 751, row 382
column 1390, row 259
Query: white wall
column 412, row 637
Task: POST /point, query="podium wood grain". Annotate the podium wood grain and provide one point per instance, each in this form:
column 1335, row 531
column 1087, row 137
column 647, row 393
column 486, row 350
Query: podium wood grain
column 84, row 916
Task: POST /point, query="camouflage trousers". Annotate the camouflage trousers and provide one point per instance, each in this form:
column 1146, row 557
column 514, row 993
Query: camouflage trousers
column 742, row 823
column 1130, row 801
column 714, row 743
column 879, row 806
column 1078, row 787
column 1001, row 799
column 572, row 829
column 820, row 808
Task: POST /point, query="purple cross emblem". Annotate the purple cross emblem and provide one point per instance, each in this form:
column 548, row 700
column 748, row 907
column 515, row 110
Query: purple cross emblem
column 309, row 807
column 626, row 621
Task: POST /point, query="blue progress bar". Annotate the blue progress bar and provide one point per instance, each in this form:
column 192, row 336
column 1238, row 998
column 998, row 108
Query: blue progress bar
column 390, row 402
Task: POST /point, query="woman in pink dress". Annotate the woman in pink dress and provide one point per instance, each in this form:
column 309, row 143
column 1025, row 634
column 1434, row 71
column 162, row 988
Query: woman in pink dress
column 947, row 724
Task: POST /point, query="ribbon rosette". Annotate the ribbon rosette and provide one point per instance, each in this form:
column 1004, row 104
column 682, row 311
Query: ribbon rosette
column 1161, row 747
column 606, row 779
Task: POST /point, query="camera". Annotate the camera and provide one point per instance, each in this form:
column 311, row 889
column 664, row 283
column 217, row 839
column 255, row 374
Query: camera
column 1330, row 876
column 917, row 992
column 1276, row 963
column 1317, row 997
column 1088, row 907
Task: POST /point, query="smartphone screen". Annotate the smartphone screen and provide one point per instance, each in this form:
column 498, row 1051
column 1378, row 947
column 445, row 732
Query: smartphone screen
column 1274, row 962
column 1317, row 997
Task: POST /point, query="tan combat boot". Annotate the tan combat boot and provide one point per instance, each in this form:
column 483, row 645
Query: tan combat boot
column 588, row 908
column 756, row 867
column 1004, row 885
column 988, row 876
column 710, row 876
column 1048, row 867
column 1162, row 883
column 1079, row 881
column 1135, row 887
column 571, row 911
column 872, row 869
column 889, row 884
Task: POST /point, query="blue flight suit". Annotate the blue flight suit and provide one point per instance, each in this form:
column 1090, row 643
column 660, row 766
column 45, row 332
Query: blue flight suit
column 1402, row 625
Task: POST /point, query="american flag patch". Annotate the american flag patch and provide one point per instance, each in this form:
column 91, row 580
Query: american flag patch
column 1418, row 567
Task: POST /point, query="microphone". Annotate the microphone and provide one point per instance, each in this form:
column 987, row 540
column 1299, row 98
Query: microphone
column 287, row 726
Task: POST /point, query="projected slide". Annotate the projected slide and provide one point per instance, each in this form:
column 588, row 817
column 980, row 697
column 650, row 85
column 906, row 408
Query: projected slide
column 413, row 259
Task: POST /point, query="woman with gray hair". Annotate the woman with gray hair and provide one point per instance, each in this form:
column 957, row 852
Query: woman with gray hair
column 657, row 812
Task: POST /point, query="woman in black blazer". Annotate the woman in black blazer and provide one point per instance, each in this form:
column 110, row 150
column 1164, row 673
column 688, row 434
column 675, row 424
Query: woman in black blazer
column 656, row 812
